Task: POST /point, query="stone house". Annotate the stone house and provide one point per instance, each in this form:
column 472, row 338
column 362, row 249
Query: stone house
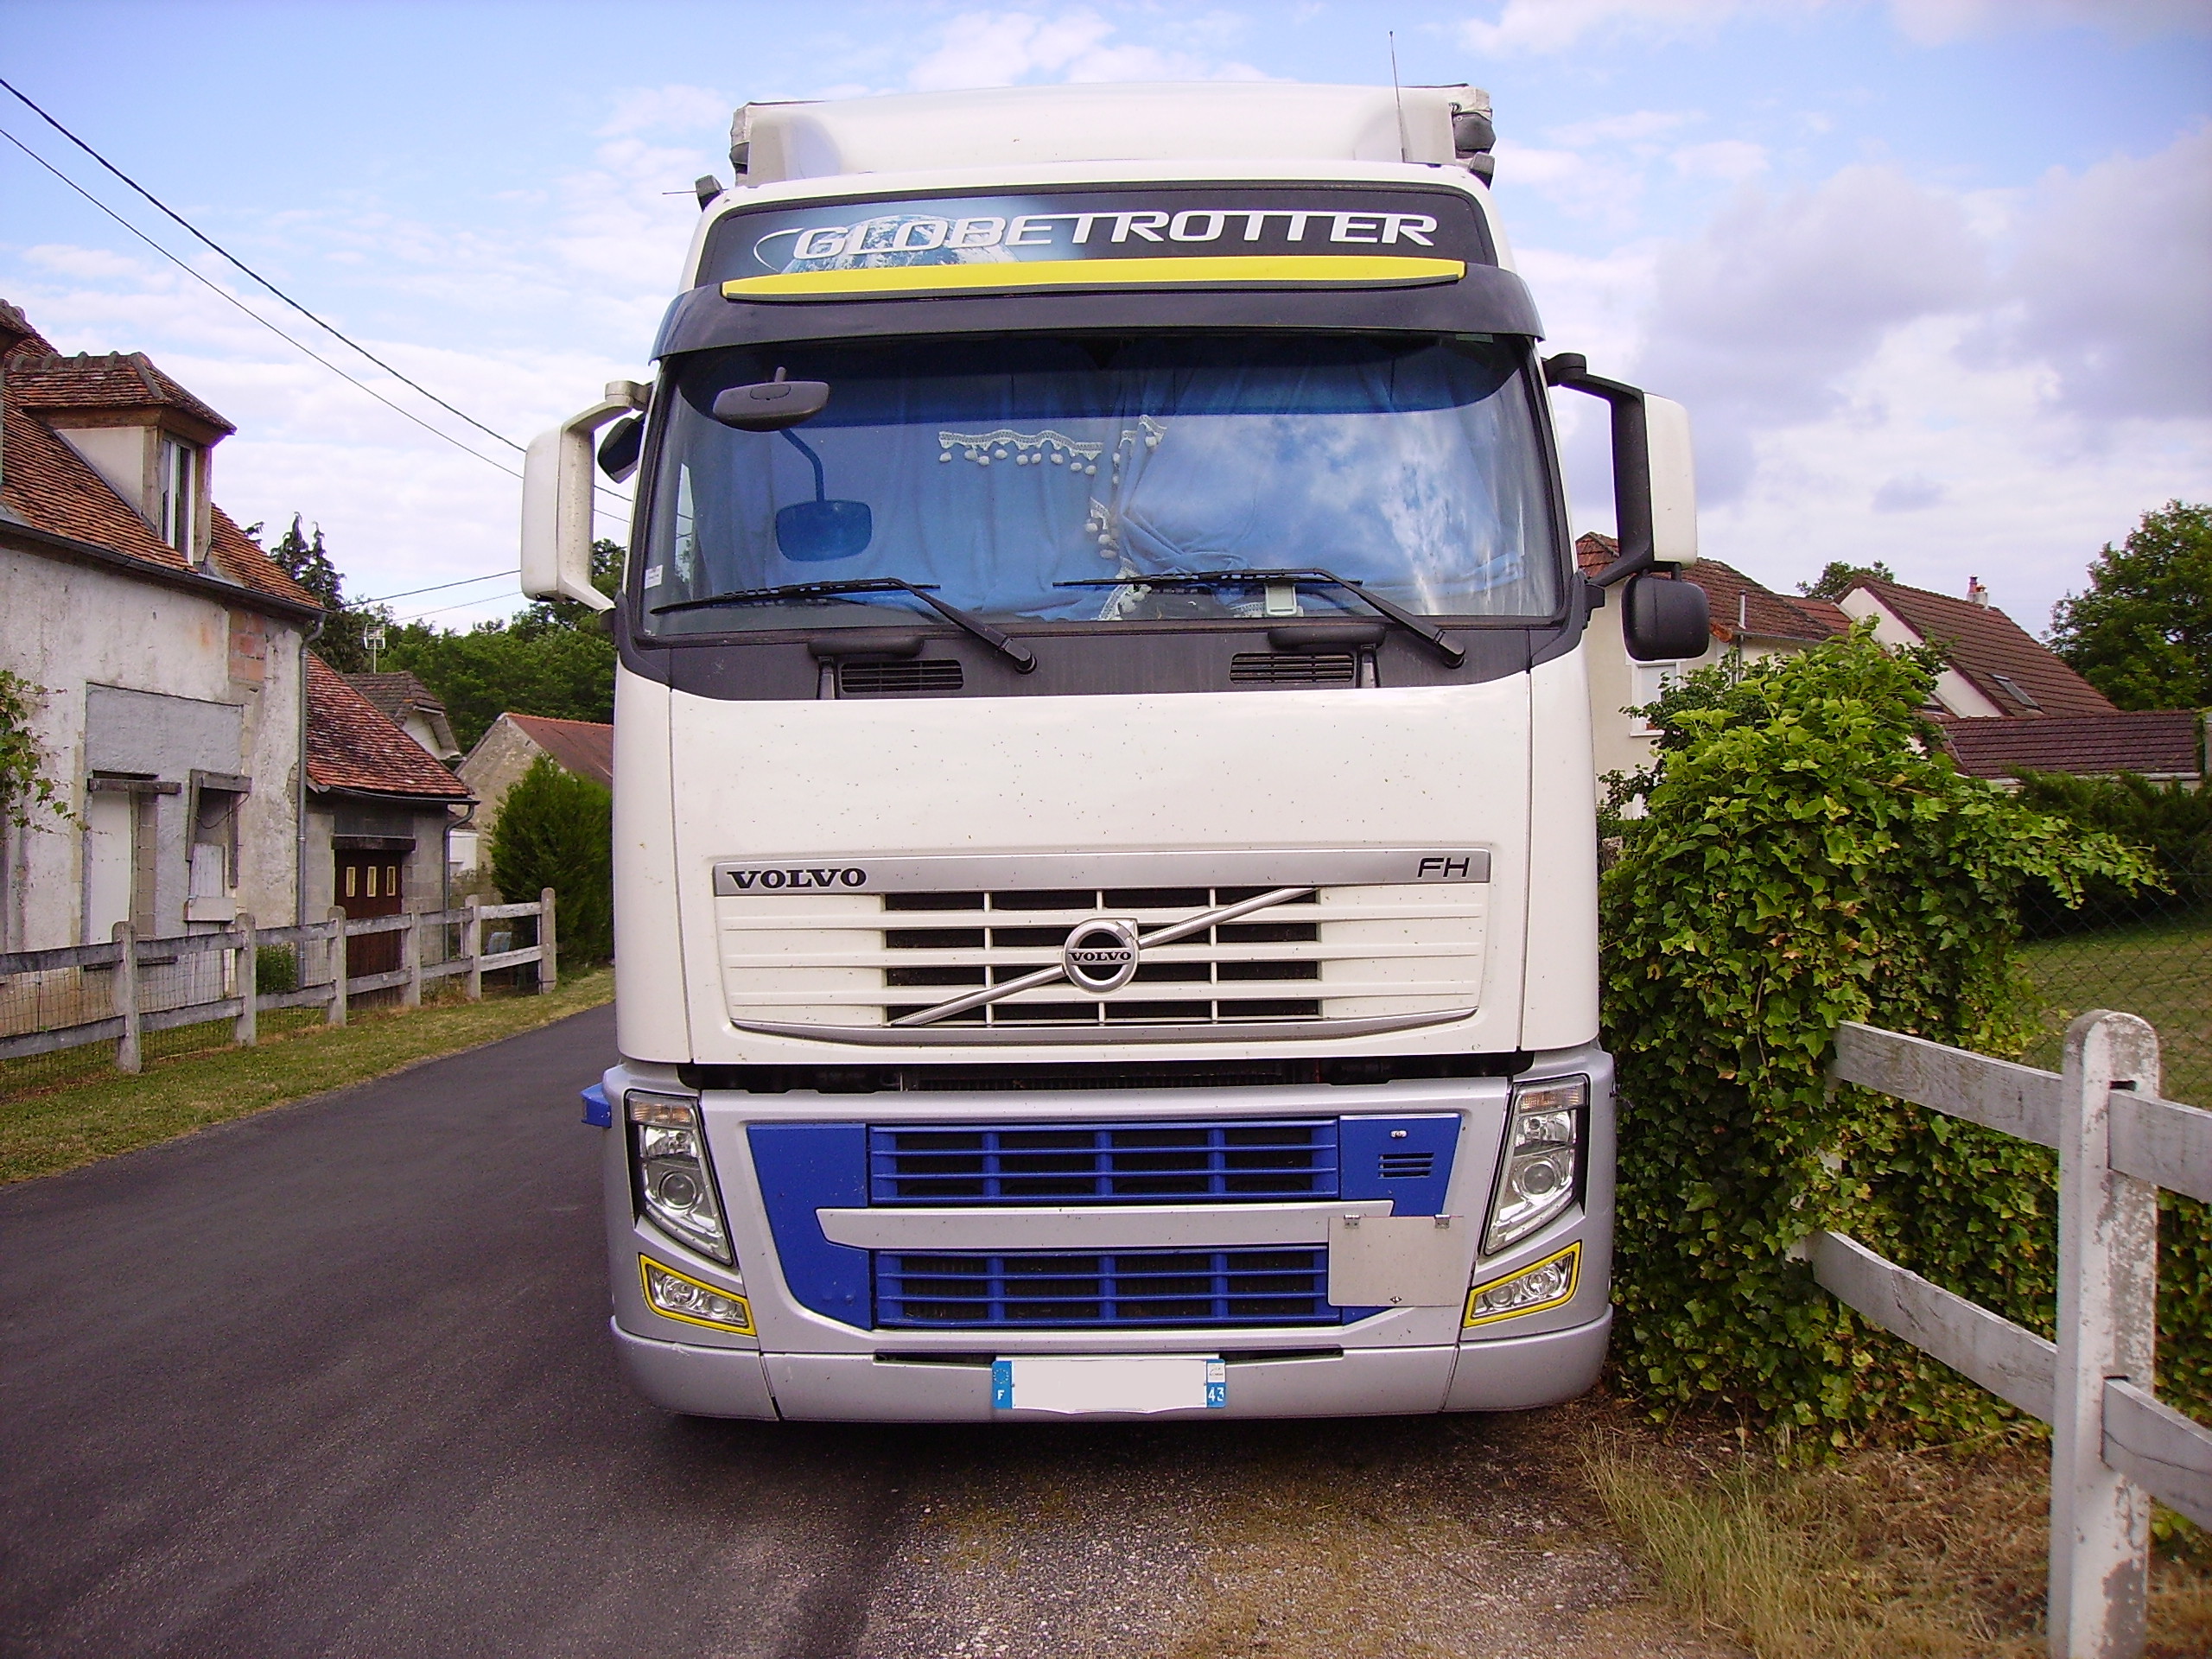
column 510, row 746
column 169, row 652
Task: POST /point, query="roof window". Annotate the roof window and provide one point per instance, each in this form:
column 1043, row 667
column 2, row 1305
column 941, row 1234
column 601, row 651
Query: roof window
column 2012, row 688
column 179, row 475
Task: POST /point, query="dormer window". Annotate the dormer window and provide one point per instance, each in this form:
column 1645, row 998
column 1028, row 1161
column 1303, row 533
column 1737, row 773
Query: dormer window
column 178, row 475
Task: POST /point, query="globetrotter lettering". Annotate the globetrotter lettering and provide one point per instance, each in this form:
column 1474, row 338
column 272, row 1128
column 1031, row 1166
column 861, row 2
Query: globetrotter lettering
column 910, row 234
column 810, row 878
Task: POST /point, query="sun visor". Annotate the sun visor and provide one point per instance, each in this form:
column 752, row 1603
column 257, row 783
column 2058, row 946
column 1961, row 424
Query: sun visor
column 1350, row 254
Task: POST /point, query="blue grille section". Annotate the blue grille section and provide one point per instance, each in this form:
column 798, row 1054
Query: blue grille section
column 1103, row 1163
column 1130, row 1290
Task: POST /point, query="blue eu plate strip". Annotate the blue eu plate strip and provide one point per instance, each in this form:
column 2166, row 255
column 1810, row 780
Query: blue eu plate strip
column 1001, row 1385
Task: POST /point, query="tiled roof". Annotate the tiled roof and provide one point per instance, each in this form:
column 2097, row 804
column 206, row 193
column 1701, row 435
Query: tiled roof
column 48, row 380
column 46, row 485
column 2160, row 742
column 1989, row 648
column 1741, row 606
column 395, row 692
column 582, row 746
column 353, row 745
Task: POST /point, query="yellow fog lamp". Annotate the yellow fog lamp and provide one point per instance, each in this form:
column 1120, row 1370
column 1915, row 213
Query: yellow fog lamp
column 676, row 1296
column 1550, row 1283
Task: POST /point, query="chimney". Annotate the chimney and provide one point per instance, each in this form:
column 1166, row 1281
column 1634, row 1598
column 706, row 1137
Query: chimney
column 1976, row 593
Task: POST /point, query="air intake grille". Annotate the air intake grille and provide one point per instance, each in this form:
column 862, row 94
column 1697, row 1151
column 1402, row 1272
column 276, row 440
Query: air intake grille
column 1294, row 668
column 1103, row 1163
column 889, row 679
column 1151, row 1290
column 1408, row 1165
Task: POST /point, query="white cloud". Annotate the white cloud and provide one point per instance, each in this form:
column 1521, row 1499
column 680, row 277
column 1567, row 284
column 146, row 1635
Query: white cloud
column 1555, row 25
column 1755, row 322
column 1908, row 493
column 1731, row 159
column 984, row 48
column 672, row 108
column 1935, row 22
column 1627, row 127
column 2112, row 284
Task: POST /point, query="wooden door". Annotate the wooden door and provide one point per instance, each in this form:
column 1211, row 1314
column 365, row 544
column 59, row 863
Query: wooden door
column 371, row 884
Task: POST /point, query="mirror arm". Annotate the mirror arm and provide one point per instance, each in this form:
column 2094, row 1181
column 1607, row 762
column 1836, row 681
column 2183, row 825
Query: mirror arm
column 1631, row 462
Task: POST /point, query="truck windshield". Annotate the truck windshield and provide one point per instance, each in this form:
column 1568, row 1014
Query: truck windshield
column 996, row 471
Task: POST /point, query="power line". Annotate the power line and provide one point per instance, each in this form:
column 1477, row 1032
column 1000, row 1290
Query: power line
column 230, row 298
column 194, row 232
column 409, row 592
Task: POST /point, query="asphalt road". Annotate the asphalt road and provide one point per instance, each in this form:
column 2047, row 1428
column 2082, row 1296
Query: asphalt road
column 335, row 1379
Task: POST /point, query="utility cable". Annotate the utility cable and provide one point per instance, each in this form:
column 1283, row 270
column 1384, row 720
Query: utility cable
column 230, row 298
column 439, row 587
column 198, row 236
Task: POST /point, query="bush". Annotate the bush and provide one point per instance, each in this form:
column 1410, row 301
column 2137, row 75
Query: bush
column 276, row 969
column 2172, row 824
column 557, row 830
column 1807, row 857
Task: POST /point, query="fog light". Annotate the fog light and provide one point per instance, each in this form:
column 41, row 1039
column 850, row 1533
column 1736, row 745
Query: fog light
column 1548, row 1284
column 678, row 1298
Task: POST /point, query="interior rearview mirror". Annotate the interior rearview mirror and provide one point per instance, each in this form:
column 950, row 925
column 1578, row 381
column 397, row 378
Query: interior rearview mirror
column 770, row 405
column 1665, row 620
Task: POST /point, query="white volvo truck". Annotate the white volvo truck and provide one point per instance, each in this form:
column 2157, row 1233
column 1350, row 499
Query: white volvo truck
column 1104, row 870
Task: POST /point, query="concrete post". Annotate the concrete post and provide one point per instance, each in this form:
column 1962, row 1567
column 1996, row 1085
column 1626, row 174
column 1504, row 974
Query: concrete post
column 549, row 973
column 336, row 917
column 2108, row 1303
column 410, row 958
column 126, row 996
column 472, row 946
column 247, row 1031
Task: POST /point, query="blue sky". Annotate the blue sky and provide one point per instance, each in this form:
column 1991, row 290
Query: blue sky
column 1934, row 277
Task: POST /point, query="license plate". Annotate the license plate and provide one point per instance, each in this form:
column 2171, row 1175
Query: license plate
column 1145, row 1382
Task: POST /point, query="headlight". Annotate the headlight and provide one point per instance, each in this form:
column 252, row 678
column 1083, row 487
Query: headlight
column 1539, row 1174
column 673, row 1181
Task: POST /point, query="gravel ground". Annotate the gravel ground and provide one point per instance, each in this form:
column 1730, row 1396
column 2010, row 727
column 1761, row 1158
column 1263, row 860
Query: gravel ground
column 1405, row 1537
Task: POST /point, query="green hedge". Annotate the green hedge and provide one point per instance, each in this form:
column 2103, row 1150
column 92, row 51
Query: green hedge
column 1806, row 857
column 557, row 830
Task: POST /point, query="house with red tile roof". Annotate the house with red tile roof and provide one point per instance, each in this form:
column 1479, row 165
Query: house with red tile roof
column 380, row 810
column 168, row 649
column 512, row 744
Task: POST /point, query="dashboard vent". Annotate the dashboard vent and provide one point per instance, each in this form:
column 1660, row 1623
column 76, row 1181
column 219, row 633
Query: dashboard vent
column 890, row 679
column 1294, row 668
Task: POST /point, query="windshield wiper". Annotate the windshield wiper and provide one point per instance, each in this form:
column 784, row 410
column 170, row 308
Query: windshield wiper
column 974, row 625
column 1449, row 654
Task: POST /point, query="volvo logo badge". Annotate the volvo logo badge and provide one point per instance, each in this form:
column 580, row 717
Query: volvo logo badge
column 1101, row 956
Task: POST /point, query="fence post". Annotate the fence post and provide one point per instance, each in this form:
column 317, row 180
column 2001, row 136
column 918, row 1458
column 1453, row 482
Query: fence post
column 410, row 946
column 126, row 996
column 549, row 972
column 2108, row 1305
column 337, row 959
column 247, row 1031
column 472, row 945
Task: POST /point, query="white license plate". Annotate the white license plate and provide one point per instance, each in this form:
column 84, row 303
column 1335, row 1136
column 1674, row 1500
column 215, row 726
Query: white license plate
column 1142, row 1382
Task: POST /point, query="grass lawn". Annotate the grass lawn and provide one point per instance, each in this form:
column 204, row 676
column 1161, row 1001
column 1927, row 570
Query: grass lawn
column 44, row 1130
column 2161, row 970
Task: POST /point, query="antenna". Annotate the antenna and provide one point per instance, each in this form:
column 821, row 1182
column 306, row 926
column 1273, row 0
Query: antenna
column 1397, row 95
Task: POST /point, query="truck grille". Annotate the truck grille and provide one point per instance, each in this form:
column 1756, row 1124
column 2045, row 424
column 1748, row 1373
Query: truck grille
column 867, row 959
column 1102, row 1163
column 1129, row 1290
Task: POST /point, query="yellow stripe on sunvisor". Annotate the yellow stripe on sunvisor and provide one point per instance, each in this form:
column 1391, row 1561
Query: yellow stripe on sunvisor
column 1273, row 270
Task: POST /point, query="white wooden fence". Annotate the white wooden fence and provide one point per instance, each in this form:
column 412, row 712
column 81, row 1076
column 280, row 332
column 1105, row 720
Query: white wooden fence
column 2113, row 1445
column 121, row 962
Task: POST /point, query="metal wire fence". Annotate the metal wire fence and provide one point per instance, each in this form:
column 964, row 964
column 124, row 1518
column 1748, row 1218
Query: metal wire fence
column 2151, row 957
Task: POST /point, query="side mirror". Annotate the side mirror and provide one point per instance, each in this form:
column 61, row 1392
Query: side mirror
column 1654, row 471
column 1665, row 620
column 771, row 405
column 556, row 489
column 620, row 449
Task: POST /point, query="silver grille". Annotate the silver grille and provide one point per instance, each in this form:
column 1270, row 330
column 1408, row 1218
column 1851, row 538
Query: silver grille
column 827, row 958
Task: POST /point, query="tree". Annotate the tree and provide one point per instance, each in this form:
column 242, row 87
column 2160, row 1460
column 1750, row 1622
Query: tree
column 1837, row 575
column 343, row 642
column 557, row 831
column 2143, row 633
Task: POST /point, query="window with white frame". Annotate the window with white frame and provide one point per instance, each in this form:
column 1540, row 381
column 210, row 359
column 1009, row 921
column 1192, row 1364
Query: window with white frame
column 1648, row 683
column 179, row 478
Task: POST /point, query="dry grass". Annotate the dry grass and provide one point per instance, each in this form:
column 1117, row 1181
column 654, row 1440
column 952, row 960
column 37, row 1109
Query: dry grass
column 60, row 1128
column 1934, row 1553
